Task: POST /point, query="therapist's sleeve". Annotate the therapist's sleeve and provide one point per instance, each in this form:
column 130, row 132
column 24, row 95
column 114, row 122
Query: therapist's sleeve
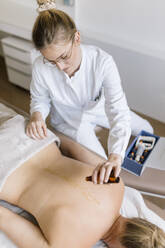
column 116, row 109
column 40, row 99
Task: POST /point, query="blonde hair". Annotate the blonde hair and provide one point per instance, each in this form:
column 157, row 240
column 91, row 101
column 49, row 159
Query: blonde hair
column 51, row 25
column 139, row 233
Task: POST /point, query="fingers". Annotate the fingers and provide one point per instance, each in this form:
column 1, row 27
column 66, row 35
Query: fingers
column 39, row 130
column 44, row 127
column 102, row 174
column 36, row 130
column 108, row 173
column 117, row 171
column 95, row 174
column 29, row 133
column 103, row 171
column 32, row 134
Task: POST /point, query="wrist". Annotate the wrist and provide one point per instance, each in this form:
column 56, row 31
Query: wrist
column 114, row 157
column 36, row 116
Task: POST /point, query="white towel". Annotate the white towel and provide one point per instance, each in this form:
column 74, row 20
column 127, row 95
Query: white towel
column 15, row 146
column 134, row 206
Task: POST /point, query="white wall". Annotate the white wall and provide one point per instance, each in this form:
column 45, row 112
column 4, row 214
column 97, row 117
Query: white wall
column 33, row 3
column 143, row 79
column 135, row 24
column 132, row 31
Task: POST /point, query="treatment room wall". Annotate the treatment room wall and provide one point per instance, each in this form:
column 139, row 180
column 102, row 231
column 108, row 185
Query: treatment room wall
column 136, row 23
column 132, row 31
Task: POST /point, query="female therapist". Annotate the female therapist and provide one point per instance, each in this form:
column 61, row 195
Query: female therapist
column 80, row 86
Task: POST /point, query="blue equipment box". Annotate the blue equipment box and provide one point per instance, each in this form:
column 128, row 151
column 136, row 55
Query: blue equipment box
column 131, row 165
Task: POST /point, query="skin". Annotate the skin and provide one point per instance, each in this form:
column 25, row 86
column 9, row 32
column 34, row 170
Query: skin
column 36, row 128
column 54, row 53
column 72, row 149
column 111, row 238
column 52, row 188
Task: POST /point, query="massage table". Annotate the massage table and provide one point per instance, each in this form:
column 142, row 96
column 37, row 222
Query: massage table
column 151, row 182
column 6, row 243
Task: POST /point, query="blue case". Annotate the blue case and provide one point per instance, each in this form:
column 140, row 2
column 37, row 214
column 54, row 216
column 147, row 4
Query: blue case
column 131, row 165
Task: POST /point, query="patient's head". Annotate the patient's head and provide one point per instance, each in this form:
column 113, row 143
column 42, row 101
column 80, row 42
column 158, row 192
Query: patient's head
column 134, row 233
column 139, row 233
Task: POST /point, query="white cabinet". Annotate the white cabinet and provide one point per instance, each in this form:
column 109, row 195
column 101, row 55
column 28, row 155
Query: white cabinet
column 17, row 18
column 20, row 79
column 19, row 56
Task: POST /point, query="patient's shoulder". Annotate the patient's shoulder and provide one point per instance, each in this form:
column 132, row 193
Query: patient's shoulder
column 63, row 229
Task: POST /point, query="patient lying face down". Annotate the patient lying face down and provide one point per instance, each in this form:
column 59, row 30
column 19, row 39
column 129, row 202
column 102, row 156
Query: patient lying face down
column 70, row 212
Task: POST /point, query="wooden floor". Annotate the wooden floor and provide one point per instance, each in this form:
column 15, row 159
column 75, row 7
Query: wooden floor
column 21, row 99
column 11, row 93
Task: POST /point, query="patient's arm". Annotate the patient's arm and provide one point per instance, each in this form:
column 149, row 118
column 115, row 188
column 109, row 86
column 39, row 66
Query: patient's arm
column 25, row 234
column 72, row 149
column 21, row 231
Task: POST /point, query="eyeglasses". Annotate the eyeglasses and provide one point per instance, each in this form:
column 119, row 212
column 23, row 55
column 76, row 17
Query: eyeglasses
column 63, row 59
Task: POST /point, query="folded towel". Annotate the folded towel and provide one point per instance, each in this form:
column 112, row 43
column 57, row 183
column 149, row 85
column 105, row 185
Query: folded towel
column 16, row 147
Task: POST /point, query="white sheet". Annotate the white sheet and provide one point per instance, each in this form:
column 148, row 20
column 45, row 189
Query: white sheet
column 134, row 206
column 16, row 147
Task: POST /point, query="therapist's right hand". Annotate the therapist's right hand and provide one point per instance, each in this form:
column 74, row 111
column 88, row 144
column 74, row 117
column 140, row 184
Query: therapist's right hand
column 36, row 128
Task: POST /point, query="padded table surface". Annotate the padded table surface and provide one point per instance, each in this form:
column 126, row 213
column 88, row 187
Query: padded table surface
column 151, row 181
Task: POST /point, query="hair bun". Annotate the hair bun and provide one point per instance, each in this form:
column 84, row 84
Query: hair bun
column 46, row 5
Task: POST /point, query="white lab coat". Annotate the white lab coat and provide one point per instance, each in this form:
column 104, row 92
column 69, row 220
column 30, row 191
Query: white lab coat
column 93, row 96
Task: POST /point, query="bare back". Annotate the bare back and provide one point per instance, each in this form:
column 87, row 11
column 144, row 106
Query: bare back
column 53, row 189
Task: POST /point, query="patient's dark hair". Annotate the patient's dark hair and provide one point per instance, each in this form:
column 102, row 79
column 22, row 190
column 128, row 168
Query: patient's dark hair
column 140, row 233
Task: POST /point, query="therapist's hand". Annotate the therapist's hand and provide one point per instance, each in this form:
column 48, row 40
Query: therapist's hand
column 36, row 128
column 102, row 172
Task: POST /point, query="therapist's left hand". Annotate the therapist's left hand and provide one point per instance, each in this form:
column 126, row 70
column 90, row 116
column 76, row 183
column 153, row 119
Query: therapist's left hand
column 102, row 172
